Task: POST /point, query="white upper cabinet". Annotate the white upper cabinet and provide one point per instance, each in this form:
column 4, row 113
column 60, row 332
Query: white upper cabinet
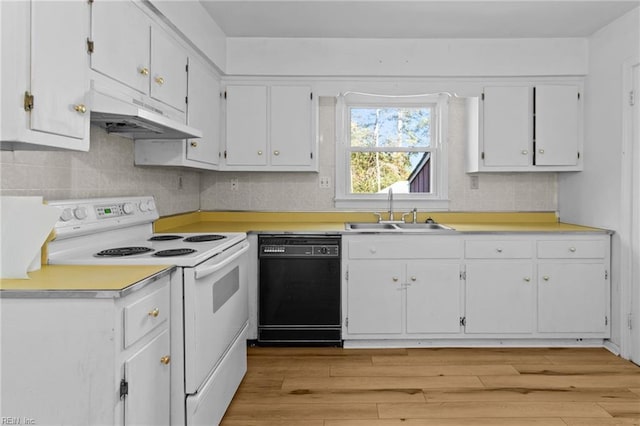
column 203, row 113
column 44, row 75
column 270, row 128
column 525, row 128
column 129, row 48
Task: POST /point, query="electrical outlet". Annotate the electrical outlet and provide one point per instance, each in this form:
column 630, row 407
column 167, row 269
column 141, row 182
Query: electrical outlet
column 475, row 182
column 325, row 182
column 234, row 184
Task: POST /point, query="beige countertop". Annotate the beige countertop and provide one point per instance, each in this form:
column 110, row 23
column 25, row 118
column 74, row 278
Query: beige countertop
column 82, row 280
column 335, row 222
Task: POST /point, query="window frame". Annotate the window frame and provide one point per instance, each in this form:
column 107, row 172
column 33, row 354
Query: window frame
column 437, row 199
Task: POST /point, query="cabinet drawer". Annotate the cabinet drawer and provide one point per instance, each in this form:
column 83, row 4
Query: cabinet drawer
column 567, row 249
column 145, row 314
column 498, row 249
column 405, row 247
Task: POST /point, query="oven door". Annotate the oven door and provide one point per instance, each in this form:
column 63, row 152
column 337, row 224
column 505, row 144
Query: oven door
column 215, row 311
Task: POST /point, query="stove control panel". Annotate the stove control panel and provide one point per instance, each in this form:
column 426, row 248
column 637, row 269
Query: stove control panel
column 82, row 215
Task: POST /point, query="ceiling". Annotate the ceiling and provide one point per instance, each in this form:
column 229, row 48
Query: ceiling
column 414, row 18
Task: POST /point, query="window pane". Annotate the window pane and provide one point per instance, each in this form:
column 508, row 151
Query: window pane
column 375, row 172
column 391, row 127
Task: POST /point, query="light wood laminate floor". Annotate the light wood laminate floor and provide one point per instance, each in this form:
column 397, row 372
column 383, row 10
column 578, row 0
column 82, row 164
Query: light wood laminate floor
column 402, row 387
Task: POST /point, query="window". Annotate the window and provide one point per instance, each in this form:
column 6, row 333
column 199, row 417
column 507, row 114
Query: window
column 391, row 143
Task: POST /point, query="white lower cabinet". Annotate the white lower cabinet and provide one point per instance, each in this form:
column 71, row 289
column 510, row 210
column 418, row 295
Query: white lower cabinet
column 476, row 286
column 401, row 286
column 573, row 286
column 499, row 297
column 86, row 359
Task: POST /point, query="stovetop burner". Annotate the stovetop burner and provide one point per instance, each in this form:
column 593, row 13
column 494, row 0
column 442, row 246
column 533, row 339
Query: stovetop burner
column 124, row 251
column 164, row 237
column 174, row 252
column 204, row 238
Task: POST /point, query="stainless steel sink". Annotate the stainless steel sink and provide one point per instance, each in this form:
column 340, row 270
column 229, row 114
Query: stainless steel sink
column 365, row 226
column 396, row 227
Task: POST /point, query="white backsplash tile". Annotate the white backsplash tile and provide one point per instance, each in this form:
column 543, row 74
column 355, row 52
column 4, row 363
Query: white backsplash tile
column 108, row 170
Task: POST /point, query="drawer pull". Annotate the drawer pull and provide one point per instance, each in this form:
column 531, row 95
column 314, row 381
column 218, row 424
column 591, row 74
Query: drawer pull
column 572, row 249
column 154, row 312
column 159, row 80
column 546, row 278
column 165, row 359
column 499, row 250
column 193, row 144
column 525, row 152
column 80, row 108
column 144, row 71
column 413, row 278
column 527, row 279
column 395, row 279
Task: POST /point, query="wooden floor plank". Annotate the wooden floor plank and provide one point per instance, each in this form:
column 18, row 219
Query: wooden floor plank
column 268, row 422
column 601, row 422
column 553, row 382
column 422, row 370
column 331, row 396
column 375, row 383
column 300, row 412
column 532, row 395
column 579, row 369
column 627, row 409
column 491, row 409
column 450, row 422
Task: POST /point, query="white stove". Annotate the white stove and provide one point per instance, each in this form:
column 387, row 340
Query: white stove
column 119, row 231
column 209, row 296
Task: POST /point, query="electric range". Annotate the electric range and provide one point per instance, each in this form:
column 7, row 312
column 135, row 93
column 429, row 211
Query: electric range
column 209, row 292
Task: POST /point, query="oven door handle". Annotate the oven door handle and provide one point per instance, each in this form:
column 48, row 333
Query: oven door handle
column 210, row 269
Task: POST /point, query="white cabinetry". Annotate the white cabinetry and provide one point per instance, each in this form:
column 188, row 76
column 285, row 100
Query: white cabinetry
column 573, row 286
column 401, row 286
column 270, row 128
column 203, row 113
column 95, row 360
column 482, row 286
column 525, row 128
column 499, row 286
column 129, row 48
column 44, row 75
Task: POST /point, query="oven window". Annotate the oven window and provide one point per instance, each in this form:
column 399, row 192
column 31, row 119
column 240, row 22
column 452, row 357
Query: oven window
column 226, row 287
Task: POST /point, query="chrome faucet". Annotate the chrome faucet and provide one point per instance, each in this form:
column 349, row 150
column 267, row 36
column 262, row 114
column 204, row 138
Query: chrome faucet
column 390, row 204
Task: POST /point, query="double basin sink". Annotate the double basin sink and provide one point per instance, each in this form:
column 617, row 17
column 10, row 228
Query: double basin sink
column 396, row 227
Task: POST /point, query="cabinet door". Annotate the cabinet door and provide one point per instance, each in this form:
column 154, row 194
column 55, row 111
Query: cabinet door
column 557, row 132
column 433, row 297
column 508, row 126
column 168, row 70
column 59, row 74
column 121, row 31
column 246, row 126
column 291, row 135
column 499, row 297
column 148, row 375
column 572, row 298
column 203, row 113
column 375, row 297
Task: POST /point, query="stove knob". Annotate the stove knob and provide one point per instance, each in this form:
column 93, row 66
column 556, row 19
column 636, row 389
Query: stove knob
column 127, row 208
column 151, row 205
column 144, row 206
column 66, row 215
column 80, row 213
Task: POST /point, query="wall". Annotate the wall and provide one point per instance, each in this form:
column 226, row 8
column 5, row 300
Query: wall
column 406, row 57
column 594, row 197
column 106, row 170
column 301, row 191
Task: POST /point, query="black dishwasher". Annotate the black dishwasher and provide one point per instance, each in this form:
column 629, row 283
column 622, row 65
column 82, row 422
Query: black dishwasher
column 299, row 290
